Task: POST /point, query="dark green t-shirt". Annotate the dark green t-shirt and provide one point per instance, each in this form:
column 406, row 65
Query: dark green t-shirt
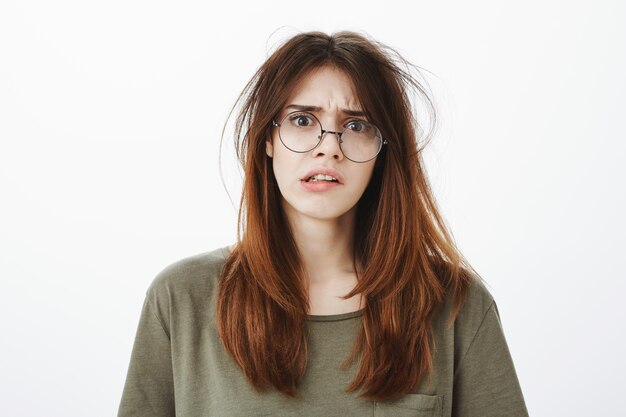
column 178, row 366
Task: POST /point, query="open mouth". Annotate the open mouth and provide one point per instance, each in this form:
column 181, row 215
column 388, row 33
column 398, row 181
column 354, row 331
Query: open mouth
column 321, row 178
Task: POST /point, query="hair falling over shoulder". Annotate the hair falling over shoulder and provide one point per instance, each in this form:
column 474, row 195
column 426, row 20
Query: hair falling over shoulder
column 411, row 264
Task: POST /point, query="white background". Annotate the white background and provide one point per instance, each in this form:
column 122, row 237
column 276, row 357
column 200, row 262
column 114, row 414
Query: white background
column 110, row 118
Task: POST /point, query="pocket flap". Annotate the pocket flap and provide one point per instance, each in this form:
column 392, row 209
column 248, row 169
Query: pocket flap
column 421, row 405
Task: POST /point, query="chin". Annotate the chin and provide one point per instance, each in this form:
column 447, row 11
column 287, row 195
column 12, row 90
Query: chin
column 323, row 214
column 324, row 211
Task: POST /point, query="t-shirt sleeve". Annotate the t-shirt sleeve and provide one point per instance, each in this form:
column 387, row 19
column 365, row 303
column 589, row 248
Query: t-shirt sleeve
column 485, row 382
column 149, row 386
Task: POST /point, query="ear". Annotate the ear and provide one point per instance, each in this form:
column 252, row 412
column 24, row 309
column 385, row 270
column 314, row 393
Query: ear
column 269, row 148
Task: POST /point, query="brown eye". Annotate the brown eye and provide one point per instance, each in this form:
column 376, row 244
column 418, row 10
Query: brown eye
column 301, row 120
column 358, row 126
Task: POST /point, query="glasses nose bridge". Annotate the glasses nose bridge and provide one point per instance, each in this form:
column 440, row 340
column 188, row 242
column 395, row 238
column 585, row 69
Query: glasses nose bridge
column 339, row 134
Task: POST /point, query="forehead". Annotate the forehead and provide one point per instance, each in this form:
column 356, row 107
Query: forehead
column 326, row 87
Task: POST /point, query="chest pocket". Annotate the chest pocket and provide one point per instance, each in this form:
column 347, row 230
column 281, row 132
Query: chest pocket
column 410, row 405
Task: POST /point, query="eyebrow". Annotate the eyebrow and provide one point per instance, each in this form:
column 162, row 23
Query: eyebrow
column 348, row 112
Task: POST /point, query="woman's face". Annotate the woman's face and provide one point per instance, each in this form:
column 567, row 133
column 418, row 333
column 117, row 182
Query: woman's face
column 331, row 93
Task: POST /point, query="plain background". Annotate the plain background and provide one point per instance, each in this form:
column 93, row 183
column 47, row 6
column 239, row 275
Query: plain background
column 110, row 119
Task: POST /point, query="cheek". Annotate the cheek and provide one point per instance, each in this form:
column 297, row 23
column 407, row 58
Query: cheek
column 365, row 176
column 285, row 166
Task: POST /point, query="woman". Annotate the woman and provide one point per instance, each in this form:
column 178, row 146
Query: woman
column 345, row 294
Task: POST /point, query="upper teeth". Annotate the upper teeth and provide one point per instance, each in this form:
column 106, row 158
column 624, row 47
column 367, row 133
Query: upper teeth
column 322, row 177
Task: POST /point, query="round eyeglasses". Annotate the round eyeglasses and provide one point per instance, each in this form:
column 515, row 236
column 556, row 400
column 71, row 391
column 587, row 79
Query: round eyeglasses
column 301, row 131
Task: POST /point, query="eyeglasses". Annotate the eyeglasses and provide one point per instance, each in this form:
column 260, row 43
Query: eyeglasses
column 301, row 131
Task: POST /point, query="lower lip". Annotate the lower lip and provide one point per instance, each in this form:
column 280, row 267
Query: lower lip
column 319, row 185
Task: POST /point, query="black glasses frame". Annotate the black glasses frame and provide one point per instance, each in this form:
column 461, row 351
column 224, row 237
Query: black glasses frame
column 383, row 141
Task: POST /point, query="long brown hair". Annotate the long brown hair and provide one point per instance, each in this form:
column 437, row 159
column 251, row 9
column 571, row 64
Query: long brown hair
column 410, row 261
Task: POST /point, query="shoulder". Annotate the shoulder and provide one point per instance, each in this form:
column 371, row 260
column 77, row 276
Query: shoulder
column 478, row 311
column 477, row 303
column 192, row 274
column 479, row 300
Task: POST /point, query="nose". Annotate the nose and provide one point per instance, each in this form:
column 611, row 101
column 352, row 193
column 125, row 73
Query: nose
column 329, row 145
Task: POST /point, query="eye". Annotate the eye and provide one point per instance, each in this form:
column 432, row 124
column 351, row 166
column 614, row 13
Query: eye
column 301, row 120
column 358, row 126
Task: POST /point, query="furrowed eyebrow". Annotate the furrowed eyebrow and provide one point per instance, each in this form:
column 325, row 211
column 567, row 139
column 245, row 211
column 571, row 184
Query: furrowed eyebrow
column 348, row 112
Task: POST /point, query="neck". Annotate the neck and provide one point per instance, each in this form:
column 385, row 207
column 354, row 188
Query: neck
column 325, row 245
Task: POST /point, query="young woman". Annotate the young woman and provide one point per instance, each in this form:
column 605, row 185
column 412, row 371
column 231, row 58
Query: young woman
column 344, row 294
